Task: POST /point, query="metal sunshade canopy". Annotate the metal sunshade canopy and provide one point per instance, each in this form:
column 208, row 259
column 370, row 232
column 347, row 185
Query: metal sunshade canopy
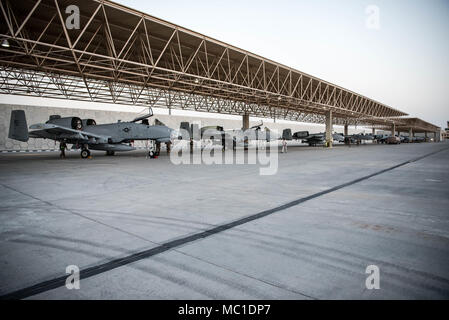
column 120, row 55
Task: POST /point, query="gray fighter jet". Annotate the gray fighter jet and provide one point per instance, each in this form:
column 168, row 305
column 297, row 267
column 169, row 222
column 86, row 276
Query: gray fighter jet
column 242, row 137
column 315, row 139
column 228, row 138
column 86, row 134
column 359, row 138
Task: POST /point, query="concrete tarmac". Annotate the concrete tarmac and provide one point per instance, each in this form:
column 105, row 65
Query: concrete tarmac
column 55, row 213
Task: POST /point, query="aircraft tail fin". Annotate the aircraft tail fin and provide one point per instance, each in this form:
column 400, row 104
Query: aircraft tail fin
column 287, row 134
column 185, row 129
column 18, row 129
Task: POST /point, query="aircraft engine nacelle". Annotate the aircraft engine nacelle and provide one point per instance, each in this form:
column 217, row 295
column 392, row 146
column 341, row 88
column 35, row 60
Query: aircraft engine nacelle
column 300, row 135
column 89, row 122
column 69, row 122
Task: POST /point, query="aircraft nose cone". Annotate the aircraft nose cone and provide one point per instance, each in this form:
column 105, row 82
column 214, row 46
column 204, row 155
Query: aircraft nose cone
column 173, row 134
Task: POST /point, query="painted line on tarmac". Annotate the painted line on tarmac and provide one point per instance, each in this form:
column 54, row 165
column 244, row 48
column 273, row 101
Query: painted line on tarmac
column 119, row 262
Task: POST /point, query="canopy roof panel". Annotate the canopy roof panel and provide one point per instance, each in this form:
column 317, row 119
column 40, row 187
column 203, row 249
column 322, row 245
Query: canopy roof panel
column 417, row 125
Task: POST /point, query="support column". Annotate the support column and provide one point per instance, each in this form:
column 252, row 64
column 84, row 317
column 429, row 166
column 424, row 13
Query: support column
column 410, row 135
column 393, row 129
column 245, row 122
column 329, row 129
column 425, row 135
column 346, row 134
column 245, row 127
column 373, row 132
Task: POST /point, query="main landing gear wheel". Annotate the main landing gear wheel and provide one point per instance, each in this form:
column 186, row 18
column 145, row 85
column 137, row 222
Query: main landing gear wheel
column 110, row 153
column 85, row 153
column 151, row 154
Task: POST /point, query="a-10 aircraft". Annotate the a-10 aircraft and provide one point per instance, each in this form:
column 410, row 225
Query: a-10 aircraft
column 242, row 137
column 360, row 137
column 320, row 138
column 315, row 139
column 86, row 134
column 228, row 138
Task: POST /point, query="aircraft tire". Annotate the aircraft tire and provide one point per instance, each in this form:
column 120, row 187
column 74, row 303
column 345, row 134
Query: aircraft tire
column 85, row 153
column 110, row 153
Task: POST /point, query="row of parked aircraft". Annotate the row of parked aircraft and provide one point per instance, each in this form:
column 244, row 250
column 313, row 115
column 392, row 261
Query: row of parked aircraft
column 320, row 138
column 86, row 134
column 240, row 137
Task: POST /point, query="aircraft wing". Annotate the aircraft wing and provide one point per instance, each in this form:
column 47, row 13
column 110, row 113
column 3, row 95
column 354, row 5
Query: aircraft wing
column 44, row 129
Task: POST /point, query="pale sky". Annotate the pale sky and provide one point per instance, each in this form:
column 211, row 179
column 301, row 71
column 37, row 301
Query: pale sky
column 404, row 64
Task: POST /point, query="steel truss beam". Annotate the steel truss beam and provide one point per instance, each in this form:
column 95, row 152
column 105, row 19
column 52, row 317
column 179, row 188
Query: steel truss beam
column 123, row 56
